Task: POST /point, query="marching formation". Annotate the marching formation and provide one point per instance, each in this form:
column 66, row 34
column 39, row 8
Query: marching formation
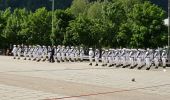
column 125, row 58
column 132, row 58
column 50, row 53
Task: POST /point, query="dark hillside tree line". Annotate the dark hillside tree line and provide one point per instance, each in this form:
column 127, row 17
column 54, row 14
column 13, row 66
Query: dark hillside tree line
column 32, row 5
column 59, row 4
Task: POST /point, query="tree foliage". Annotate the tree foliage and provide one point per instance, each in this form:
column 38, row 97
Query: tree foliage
column 92, row 23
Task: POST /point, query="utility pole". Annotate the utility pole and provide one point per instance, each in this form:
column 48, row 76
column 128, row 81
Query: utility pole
column 52, row 35
column 168, row 55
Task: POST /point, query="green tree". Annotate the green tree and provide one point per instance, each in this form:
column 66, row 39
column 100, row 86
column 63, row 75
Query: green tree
column 95, row 10
column 39, row 27
column 146, row 23
column 61, row 22
column 79, row 7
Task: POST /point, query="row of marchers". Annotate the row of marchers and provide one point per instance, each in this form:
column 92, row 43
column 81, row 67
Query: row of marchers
column 131, row 58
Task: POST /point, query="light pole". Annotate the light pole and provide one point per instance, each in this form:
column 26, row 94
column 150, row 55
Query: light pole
column 168, row 23
column 168, row 55
column 52, row 35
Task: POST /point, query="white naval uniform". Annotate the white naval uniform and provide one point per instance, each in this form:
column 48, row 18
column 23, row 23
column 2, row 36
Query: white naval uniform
column 25, row 52
column 132, row 60
column 91, row 54
column 58, row 54
column 39, row 53
column 97, row 54
column 103, row 57
column 164, row 57
column 139, row 59
column 123, row 58
column 35, row 55
column 30, row 53
column 68, row 54
column 49, row 52
column 156, row 58
column 81, row 54
column 110, row 58
column 147, row 59
column 72, row 54
column 63, row 54
column 19, row 52
column 76, row 54
column 14, row 51
column 44, row 54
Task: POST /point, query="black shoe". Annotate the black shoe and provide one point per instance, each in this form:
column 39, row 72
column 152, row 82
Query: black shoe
column 14, row 58
column 156, row 67
column 124, row 67
column 96, row 65
column 148, row 68
column 90, row 64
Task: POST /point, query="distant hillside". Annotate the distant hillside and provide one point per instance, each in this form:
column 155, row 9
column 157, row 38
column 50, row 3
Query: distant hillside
column 59, row 4
column 34, row 4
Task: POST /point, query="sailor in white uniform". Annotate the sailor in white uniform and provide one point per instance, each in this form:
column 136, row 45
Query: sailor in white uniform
column 164, row 58
column 103, row 56
column 63, row 51
column 67, row 53
column 76, row 54
column 25, row 52
column 14, row 51
column 147, row 59
column 91, row 54
column 39, row 53
column 35, row 55
column 49, row 52
column 97, row 55
column 19, row 51
column 58, row 53
column 72, row 52
column 44, row 53
column 81, row 54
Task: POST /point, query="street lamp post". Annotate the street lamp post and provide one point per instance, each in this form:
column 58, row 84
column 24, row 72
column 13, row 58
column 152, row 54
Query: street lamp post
column 168, row 23
column 52, row 22
column 168, row 55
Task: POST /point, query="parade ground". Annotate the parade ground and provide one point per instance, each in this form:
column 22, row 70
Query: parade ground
column 30, row 80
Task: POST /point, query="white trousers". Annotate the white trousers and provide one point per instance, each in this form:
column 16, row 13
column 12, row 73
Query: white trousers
column 90, row 59
column 97, row 60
